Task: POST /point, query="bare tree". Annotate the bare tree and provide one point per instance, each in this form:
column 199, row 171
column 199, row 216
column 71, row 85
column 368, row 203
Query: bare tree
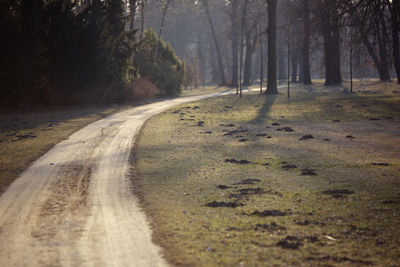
column 132, row 12
column 394, row 7
column 142, row 5
column 214, row 36
column 369, row 19
column 255, row 12
column 272, row 87
column 328, row 17
column 261, row 58
column 243, row 26
column 164, row 5
column 306, row 77
column 234, row 17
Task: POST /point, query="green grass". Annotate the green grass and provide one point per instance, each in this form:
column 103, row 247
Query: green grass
column 179, row 167
column 42, row 129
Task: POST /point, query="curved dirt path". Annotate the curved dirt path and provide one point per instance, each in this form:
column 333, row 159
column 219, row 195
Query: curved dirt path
column 74, row 206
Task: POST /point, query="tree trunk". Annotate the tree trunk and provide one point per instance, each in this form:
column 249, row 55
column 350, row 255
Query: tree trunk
column 242, row 30
column 281, row 61
column 247, row 65
column 201, row 56
column 214, row 36
column 370, row 48
column 300, row 63
column 382, row 41
column 395, row 37
column 261, row 60
column 379, row 62
column 331, row 35
column 132, row 10
column 215, row 75
column 294, row 62
column 142, row 19
column 164, row 12
column 306, row 77
column 250, row 47
column 271, row 84
column 234, row 17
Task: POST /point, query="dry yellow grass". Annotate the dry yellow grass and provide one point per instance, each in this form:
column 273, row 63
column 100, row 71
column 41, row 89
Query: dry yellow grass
column 182, row 166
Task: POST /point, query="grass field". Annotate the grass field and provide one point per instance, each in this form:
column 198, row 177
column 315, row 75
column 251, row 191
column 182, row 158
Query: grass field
column 25, row 136
column 266, row 180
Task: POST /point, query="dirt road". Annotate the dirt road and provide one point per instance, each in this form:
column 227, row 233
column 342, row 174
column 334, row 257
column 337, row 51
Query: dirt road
column 75, row 207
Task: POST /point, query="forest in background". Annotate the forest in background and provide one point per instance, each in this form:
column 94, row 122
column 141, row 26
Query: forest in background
column 99, row 51
column 80, row 52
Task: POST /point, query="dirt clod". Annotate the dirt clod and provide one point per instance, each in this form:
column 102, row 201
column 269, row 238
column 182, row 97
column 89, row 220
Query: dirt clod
column 26, row 136
column 350, row 136
column 242, row 161
column 221, row 186
column 306, row 137
column 311, row 238
column 338, row 193
column 275, row 124
column 380, row 164
column 309, row 172
column 390, row 202
column 223, row 204
column 290, row 242
column 270, row 213
column 269, row 227
column 289, row 166
column 227, row 125
column 286, row 129
column 247, row 181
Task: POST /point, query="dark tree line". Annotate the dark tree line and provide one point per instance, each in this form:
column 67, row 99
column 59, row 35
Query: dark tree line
column 63, row 51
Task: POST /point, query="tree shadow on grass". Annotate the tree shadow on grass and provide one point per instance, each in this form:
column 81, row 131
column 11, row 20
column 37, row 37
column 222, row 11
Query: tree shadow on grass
column 269, row 100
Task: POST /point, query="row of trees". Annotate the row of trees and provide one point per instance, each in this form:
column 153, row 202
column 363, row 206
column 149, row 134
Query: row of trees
column 226, row 38
column 65, row 51
column 96, row 50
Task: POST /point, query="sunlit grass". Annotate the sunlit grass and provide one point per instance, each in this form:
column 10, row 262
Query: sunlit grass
column 179, row 167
